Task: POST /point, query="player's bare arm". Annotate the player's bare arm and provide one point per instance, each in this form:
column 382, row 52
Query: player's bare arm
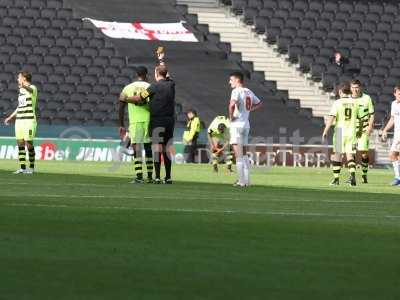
column 10, row 117
column 256, row 106
column 231, row 108
column 388, row 126
column 328, row 126
column 121, row 110
column 371, row 122
column 211, row 141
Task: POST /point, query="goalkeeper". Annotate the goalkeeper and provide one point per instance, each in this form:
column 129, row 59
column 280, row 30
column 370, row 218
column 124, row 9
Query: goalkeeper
column 139, row 120
column 218, row 138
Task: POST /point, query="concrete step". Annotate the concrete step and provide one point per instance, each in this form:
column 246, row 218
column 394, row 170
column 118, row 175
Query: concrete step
column 252, row 48
column 231, row 30
column 206, row 10
column 199, row 3
column 232, row 39
column 263, row 57
column 258, row 55
column 271, row 66
column 264, row 62
column 234, row 35
column 305, row 93
column 249, row 47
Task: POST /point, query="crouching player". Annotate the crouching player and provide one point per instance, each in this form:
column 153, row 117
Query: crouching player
column 218, row 139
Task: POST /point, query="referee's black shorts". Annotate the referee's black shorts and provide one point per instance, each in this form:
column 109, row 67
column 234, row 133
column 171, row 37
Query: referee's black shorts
column 162, row 129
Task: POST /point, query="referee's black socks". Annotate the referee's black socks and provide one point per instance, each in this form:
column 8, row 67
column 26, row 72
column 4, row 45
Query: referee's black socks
column 167, row 164
column 149, row 160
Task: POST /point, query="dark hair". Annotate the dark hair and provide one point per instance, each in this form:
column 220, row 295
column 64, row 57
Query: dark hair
column 355, row 82
column 237, row 74
column 162, row 71
column 192, row 111
column 345, row 88
column 141, row 71
column 221, row 127
column 26, row 75
column 397, row 87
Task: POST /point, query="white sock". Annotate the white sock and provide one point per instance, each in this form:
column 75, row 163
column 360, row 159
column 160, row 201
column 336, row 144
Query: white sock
column 246, row 169
column 396, row 168
column 240, row 169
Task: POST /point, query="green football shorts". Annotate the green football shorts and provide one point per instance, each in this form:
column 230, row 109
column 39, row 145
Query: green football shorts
column 25, row 129
column 139, row 132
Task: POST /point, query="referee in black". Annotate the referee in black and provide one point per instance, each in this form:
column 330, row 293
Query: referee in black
column 161, row 95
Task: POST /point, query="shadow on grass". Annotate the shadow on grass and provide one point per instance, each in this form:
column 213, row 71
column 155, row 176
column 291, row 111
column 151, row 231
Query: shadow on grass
column 120, row 184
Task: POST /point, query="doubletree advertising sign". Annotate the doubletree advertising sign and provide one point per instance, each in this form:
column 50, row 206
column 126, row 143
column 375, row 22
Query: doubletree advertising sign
column 102, row 150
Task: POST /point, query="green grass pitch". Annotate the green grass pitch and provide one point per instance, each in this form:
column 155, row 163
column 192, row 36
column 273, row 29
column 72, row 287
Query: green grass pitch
column 80, row 231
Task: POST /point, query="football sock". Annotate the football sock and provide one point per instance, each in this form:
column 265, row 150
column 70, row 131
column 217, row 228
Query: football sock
column 214, row 159
column 31, row 153
column 246, row 169
column 364, row 165
column 336, row 167
column 396, row 168
column 157, row 164
column 351, row 164
column 167, row 164
column 137, row 162
column 229, row 158
column 22, row 157
column 240, row 169
column 149, row 160
column 138, row 167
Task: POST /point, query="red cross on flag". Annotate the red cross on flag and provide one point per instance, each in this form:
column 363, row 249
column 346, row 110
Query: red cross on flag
column 145, row 31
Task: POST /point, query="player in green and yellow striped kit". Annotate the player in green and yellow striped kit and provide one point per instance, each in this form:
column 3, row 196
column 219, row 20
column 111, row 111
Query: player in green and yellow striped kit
column 218, row 138
column 139, row 122
column 25, row 121
column 344, row 112
column 365, row 124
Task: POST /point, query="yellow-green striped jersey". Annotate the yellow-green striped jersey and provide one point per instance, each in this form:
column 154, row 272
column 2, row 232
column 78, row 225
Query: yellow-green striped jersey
column 27, row 103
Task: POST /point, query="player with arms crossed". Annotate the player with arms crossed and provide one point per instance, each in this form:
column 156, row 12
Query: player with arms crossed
column 139, row 121
column 344, row 112
column 365, row 124
column 25, row 121
column 242, row 102
column 218, row 139
column 395, row 148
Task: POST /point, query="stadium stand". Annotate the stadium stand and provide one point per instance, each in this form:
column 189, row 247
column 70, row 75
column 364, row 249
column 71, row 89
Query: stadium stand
column 80, row 72
column 309, row 31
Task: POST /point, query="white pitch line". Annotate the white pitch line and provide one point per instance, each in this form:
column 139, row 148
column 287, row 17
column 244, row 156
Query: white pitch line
column 190, row 210
column 163, row 196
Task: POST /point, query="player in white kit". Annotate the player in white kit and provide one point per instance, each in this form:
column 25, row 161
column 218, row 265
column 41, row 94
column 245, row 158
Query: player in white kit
column 395, row 148
column 242, row 102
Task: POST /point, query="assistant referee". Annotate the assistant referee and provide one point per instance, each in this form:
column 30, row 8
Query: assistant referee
column 161, row 95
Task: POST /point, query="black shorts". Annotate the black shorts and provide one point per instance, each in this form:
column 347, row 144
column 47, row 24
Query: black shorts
column 162, row 130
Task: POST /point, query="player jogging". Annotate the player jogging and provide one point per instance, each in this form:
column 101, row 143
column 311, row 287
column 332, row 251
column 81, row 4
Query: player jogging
column 395, row 148
column 218, row 139
column 25, row 121
column 242, row 102
column 344, row 112
column 139, row 122
column 365, row 124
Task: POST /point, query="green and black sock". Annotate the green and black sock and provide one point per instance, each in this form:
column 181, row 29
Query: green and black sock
column 22, row 157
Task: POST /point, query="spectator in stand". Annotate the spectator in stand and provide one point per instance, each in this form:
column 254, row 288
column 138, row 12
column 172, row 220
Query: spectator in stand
column 340, row 61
